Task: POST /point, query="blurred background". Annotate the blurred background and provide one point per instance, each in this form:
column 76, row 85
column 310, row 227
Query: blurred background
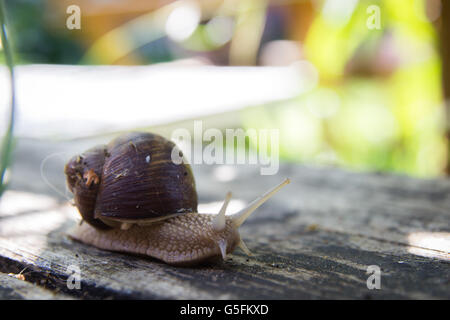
column 349, row 83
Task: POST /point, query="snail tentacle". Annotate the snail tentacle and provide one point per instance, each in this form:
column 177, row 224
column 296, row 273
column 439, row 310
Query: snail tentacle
column 218, row 223
column 239, row 217
column 244, row 248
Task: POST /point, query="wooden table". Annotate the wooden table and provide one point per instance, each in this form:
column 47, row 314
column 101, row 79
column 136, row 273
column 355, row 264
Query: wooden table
column 313, row 240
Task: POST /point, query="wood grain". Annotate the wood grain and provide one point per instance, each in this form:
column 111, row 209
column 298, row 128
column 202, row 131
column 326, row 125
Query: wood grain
column 313, row 240
column 12, row 288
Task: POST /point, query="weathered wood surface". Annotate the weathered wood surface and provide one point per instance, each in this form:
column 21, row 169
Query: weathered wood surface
column 313, row 240
column 14, row 288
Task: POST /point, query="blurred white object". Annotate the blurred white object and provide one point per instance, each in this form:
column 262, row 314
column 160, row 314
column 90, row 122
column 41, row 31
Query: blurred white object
column 183, row 20
column 67, row 101
column 280, row 53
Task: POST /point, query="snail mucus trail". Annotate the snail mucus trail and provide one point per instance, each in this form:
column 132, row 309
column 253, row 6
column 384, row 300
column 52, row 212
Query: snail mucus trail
column 135, row 199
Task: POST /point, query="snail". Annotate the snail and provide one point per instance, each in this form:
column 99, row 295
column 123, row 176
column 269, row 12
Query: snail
column 133, row 198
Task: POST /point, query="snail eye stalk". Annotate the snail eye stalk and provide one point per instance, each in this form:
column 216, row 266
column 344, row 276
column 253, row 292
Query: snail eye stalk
column 239, row 217
column 218, row 223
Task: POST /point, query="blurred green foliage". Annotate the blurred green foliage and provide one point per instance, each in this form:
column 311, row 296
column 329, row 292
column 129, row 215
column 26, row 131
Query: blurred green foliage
column 35, row 40
column 377, row 106
column 389, row 117
column 7, row 141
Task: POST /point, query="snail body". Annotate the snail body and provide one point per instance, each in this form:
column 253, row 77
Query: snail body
column 183, row 240
column 135, row 199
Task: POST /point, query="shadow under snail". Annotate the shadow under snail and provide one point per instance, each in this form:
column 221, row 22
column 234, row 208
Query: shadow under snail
column 135, row 199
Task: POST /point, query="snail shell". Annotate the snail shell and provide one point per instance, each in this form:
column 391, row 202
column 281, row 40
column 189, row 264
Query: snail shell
column 131, row 180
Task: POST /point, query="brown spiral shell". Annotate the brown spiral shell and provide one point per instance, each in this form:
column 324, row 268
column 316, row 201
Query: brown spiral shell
column 135, row 181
